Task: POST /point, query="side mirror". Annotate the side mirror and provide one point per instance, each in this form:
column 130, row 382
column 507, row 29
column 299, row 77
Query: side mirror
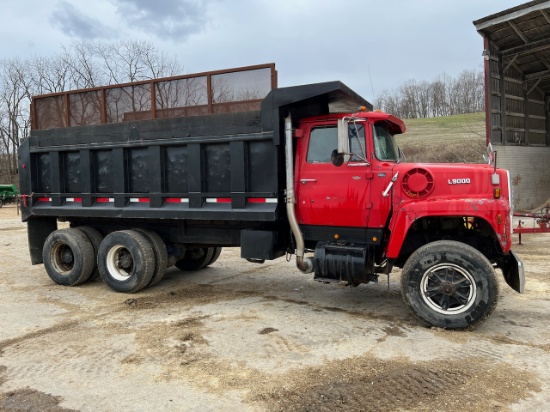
column 336, row 158
column 343, row 136
column 489, row 157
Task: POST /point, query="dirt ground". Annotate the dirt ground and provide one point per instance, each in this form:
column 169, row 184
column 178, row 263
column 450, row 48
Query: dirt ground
column 246, row 337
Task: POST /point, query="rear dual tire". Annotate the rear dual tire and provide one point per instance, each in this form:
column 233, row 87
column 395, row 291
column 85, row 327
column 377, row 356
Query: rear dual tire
column 126, row 261
column 161, row 255
column 95, row 239
column 68, row 257
column 198, row 258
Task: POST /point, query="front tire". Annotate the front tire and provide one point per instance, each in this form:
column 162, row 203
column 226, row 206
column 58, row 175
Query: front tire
column 68, row 257
column 449, row 284
column 126, row 261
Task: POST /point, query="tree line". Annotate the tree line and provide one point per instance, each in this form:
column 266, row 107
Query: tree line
column 78, row 66
column 444, row 96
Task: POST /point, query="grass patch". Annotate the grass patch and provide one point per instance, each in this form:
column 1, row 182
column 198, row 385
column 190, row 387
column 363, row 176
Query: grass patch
column 450, row 139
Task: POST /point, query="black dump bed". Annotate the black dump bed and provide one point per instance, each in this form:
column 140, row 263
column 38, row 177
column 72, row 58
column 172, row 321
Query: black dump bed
column 219, row 163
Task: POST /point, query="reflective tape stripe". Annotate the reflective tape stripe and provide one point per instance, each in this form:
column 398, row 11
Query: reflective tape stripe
column 262, row 200
column 177, row 200
column 167, row 200
column 218, row 200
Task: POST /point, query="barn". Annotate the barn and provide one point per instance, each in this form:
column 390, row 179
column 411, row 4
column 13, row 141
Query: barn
column 516, row 51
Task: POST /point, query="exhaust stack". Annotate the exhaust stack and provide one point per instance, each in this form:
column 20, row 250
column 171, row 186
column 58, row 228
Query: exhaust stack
column 305, row 265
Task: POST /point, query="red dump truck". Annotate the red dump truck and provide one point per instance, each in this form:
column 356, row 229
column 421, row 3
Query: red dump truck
column 167, row 172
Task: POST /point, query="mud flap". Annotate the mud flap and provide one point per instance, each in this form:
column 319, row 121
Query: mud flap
column 514, row 273
column 38, row 229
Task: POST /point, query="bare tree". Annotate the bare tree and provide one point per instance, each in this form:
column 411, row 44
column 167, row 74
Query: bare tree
column 49, row 75
column 84, row 70
column 15, row 92
column 389, row 102
column 132, row 61
column 440, row 106
column 409, row 101
column 81, row 65
column 443, row 96
column 468, row 91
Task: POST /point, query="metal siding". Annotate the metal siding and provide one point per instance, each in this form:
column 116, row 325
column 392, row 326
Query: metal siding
column 529, row 183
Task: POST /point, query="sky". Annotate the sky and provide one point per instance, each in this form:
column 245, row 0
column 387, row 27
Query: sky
column 369, row 45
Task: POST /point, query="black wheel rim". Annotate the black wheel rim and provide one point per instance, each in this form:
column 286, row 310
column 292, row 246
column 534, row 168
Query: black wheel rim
column 62, row 258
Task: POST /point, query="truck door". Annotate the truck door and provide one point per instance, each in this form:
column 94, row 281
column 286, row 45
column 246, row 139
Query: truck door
column 327, row 195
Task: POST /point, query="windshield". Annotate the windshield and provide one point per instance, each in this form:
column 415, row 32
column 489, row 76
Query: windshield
column 385, row 147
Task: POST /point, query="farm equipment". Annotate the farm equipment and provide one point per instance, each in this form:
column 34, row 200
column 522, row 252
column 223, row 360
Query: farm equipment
column 541, row 222
column 8, row 194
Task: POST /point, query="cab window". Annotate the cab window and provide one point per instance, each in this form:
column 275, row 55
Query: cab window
column 385, row 147
column 323, row 140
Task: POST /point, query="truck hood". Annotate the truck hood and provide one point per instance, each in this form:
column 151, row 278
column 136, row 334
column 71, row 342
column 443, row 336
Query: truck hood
column 426, row 181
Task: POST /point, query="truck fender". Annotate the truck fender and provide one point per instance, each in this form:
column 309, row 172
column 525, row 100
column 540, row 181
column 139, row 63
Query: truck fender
column 407, row 213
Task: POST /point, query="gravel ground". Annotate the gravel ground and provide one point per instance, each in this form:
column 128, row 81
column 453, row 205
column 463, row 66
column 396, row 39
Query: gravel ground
column 239, row 336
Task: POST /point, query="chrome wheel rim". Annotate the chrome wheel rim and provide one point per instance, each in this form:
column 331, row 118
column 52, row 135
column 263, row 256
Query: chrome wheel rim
column 448, row 289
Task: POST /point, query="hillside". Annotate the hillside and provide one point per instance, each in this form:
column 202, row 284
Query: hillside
column 459, row 139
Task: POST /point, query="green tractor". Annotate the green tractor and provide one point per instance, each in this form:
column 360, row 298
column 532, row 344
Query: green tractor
column 8, row 194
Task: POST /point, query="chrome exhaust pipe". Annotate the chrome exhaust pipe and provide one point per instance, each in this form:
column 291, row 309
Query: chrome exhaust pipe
column 305, row 265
